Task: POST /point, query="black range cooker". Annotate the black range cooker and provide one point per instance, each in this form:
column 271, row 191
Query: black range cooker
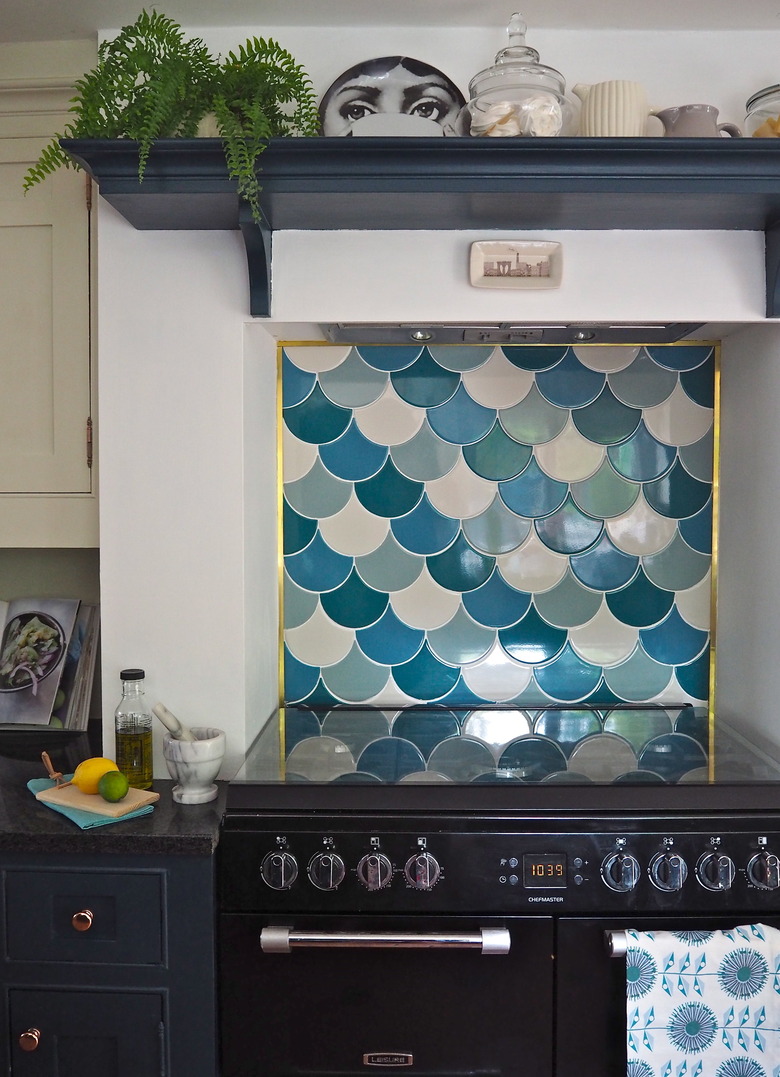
column 447, row 929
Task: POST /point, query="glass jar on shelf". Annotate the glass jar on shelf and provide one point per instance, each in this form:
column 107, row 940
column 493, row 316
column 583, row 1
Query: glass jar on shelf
column 763, row 113
column 518, row 96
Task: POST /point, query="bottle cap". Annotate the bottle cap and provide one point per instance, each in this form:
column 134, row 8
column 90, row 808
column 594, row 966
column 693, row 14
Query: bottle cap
column 132, row 675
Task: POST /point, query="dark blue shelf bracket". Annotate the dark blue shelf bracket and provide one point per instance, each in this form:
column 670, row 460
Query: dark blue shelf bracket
column 257, row 241
column 772, row 259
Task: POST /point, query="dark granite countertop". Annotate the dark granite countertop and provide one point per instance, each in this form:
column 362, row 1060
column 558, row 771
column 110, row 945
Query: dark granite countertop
column 28, row 826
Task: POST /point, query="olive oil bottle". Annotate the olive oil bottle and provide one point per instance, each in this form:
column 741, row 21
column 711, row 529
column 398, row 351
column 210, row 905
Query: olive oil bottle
column 133, row 730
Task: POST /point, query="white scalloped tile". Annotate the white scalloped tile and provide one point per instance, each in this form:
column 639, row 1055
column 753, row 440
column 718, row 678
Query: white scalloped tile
column 319, row 357
column 604, row 640
column 354, row 530
column 695, row 604
column 641, row 530
column 298, row 456
column 570, row 457
column 678, row 420
column 607, row 358
column 425, row 604
column 389, row 420
column 320, row 642
column 532, row 567
column 496, row 677
column 499, row 383
column 460, row 493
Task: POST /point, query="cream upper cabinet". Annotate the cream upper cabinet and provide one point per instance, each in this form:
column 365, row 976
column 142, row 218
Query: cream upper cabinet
column 47, row 474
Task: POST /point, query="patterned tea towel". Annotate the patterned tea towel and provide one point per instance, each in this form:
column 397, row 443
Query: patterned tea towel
column 703, row 1003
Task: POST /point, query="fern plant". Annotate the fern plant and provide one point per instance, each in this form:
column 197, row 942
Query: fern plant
column 260, row 93
column 149, row 82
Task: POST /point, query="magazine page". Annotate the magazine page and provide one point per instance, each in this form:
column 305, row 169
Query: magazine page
column 33, row 647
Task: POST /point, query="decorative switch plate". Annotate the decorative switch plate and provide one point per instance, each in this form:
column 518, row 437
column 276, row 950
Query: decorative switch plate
column 516, row 264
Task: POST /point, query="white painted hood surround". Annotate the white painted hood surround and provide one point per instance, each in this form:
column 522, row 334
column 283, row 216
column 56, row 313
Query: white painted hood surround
column 187, row 389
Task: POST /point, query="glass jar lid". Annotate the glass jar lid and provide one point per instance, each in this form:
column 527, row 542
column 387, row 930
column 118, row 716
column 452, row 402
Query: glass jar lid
column 760, row 95
column 517, row 65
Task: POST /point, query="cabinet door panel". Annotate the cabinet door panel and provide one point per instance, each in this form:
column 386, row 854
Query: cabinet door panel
column 109, row 1033
column 44, row 337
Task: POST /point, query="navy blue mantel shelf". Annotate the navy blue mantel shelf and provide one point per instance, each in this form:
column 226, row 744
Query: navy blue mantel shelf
column 448, row 183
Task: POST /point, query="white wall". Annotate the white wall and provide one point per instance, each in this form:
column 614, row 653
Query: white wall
column 189, row 560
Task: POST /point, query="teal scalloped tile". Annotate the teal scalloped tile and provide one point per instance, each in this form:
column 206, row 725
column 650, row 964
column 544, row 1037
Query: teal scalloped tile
column 425, row 456
column 460, row 567
column 299, row 724
column 461, row 641
column 680, row 356
column 391, row 759
column 603, row 757
column 677, row 567
column 641, row 457
column 462, row 358
column 388, row 357
column 389, row 493
column 534, row 421
column 461, row 420
column 425, row 384
column 496, row 530
column 390, row 641
column 352, row 456
column 532, row 640
column 570, row 384
column 426, row 728
column 353, row 603
column 318, row 493
column 300, row 680
column 425, row 530
column 355, row 678
column 390, row 567
column 534, row 357
column 318, row 567
column 644, row 384
column 424, row 677
column 299, row 604
column 298, row 530
column 604, row 567
column 532, row 758
column 461, row 759
column 533, row 493
column 568, row 678
column 672, row 755
column 296, row 383
column 699, row 384
column 496, row 604
column 693, row 678
column 638, row 725
column 638, row 678
column 316, row 419
column 355, row 727
column 353, row 383
column 567, row 727
column 568, row 530
column 606, row 421
column 697, row 459
column 497, row 456
column 677, row 494
column 673, row 642
column 568, row 604
column 640, row 603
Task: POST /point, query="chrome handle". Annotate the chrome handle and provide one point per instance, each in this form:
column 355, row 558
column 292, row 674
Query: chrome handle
column 282, row 940
column 82, row 920
column 29, row 1040
column 616, row 942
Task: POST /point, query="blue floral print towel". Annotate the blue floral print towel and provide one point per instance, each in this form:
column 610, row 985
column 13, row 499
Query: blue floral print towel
column 703, row 1003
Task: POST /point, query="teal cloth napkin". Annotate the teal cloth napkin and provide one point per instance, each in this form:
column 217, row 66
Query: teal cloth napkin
column 84, row 819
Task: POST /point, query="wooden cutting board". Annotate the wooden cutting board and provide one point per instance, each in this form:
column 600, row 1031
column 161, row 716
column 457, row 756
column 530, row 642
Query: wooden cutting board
column 74, row 798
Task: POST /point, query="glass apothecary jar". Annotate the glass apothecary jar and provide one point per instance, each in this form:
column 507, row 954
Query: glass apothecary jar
column 518, row 96
column 763, row 113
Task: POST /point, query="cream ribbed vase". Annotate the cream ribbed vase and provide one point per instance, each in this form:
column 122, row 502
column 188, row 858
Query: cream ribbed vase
column 616, row 109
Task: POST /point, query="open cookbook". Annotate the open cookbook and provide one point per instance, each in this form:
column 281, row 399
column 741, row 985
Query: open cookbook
column 48, row 649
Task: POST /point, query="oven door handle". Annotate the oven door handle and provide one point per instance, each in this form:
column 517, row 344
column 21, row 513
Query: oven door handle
column 283, row 940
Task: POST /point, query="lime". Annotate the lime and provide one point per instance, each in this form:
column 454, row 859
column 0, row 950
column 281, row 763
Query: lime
column 89, row 772
column 113, row 786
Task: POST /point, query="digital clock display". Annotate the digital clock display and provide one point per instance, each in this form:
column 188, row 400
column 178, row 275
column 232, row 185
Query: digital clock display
column 544, row 870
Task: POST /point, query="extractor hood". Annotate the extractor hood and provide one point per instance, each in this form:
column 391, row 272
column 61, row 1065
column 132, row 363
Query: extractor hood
column 509, row 333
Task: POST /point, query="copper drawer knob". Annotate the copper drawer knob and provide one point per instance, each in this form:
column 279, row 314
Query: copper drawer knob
column 29, row 1040
column 82, row 921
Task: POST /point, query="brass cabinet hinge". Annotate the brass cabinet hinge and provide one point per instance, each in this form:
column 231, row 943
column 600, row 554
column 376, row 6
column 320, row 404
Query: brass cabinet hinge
column 89, row 442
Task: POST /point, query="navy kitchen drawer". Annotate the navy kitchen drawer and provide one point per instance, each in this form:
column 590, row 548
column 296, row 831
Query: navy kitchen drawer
column 121, row 916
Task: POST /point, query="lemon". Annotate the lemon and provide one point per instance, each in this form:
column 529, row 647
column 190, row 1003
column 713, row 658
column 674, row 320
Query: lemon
column 113, row 786
column 89, row 772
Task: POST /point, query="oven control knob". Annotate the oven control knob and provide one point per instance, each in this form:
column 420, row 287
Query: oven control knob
column 422, row 871
column 326, row 870
column 374, row 871
column 668, row 871
column 764, row 870
column 715, row 871
column 620, row 872
column 279, row 870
